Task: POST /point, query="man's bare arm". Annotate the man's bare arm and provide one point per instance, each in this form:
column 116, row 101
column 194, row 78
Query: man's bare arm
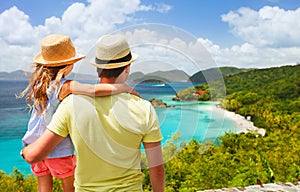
column 156, row 166
column 38, row 150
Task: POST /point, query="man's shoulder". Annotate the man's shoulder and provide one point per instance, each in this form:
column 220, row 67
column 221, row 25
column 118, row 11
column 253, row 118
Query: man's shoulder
column 135, row 103
column 75, row 96
column 72, row 98
column 134, row 99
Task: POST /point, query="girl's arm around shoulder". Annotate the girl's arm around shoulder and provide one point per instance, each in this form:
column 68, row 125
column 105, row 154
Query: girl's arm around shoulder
column 94, row 89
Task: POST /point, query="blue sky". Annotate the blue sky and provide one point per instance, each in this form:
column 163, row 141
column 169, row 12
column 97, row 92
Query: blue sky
column 241, row 33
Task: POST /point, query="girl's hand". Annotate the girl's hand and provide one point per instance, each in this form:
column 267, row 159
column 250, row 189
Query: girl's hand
column 133, row 92
column 65, row 90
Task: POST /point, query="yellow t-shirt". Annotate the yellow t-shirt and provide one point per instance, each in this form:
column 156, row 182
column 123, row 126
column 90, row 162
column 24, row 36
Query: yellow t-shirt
column 107, row 133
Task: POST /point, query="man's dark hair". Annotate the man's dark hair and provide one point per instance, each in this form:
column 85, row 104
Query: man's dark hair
column 110, row 73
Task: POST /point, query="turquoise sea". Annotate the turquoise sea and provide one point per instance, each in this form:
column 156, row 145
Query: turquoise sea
column 191, row 120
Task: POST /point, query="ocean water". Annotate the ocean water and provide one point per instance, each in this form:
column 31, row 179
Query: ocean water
column 189, row 120
column 13, row 120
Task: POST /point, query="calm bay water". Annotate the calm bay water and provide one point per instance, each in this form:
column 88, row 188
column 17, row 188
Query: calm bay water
column 191, row 120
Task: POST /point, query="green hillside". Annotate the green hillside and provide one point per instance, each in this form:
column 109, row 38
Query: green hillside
column 280, row 82
column 271, row 96
column 213, row 74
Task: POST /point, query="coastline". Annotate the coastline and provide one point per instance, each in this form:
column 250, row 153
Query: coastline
column 244, row 124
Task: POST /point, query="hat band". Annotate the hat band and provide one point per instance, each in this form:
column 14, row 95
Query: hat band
column 120, row 60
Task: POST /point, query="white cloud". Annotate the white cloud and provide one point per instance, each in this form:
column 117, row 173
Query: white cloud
column 163, row 8
column 18, row 40
column 249, row 56
column 159, row 7
column 271, row 37
column 15, row 27
column 269, row 26
column 84, row 23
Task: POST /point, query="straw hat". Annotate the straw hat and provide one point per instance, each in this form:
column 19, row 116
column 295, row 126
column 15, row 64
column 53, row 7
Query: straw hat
column 57, row 50
column 112, row 51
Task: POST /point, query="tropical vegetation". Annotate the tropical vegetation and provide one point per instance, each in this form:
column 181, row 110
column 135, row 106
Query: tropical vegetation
column 271, row 97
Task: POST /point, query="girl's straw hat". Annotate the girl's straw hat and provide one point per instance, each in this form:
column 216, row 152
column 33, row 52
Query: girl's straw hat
column 57, row 50
column 112, row 51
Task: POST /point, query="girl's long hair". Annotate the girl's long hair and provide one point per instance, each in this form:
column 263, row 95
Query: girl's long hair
column 40, row 80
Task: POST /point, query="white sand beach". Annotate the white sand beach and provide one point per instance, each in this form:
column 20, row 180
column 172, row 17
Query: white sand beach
column 245, row 125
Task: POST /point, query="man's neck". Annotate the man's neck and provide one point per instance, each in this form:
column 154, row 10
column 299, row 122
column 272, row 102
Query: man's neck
column 108, row 80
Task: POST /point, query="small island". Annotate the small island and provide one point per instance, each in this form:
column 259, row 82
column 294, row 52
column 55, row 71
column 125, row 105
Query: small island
column 196, row 93
column 157, row 103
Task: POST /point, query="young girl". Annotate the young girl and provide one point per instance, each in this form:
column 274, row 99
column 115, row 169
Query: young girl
column 46, row 88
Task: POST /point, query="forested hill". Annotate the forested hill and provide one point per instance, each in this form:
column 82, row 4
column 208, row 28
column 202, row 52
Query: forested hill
column 271, row 96
column 213, row 74
column 279, row 82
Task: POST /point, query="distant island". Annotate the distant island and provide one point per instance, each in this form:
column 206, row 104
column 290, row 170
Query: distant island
column 157, row 77
column 199, row 77
column 15, row 75
column 25, row 75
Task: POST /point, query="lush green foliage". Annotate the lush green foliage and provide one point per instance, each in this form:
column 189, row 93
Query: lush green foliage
column 16, row 181
column 187, row 95
column 270, row 96
column 190, row 94
column 237, row 160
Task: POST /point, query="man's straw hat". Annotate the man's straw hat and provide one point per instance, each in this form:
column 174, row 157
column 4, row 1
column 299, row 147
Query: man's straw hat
column 112, row 51
column 57, row 50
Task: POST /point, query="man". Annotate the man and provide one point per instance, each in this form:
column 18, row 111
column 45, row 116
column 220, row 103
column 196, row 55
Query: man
column 107, row 131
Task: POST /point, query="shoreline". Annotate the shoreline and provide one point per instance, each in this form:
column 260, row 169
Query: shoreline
column 244, row 124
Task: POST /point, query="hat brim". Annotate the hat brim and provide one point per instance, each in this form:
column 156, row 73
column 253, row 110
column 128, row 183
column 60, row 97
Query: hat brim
column 115, row 65
column 38, row 59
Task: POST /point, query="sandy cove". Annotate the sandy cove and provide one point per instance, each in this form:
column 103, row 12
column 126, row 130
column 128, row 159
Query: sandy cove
column 245, row 125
